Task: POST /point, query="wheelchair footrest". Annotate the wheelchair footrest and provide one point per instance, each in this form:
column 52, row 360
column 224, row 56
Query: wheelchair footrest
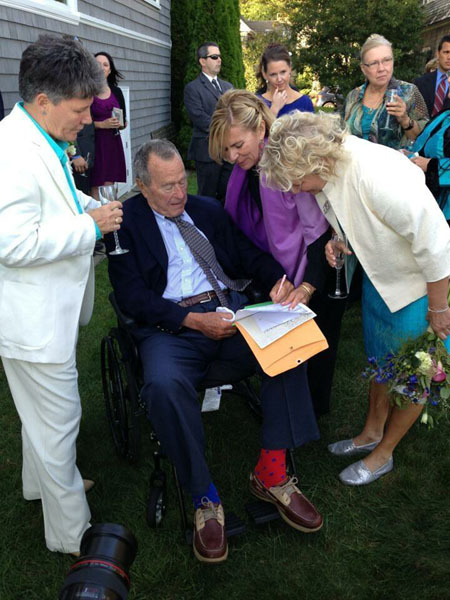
column 262, row 512
column 234, row 525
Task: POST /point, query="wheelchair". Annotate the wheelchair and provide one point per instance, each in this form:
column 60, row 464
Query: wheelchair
column 122, row 380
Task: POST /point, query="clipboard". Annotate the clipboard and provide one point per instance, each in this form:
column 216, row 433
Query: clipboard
column 289, row 351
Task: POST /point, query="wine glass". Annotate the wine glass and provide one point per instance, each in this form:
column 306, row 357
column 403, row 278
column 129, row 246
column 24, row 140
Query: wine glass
column 108, row 193
column 338, row 294
column 87, row 159
column 390, row 97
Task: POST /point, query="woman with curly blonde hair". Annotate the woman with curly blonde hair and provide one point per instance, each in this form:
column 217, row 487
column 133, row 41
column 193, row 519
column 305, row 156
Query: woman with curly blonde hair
column 378, row 199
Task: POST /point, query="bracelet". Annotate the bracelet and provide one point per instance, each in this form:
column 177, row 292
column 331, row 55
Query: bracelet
column 440, row 310
column 410, row 126
column 306, row 288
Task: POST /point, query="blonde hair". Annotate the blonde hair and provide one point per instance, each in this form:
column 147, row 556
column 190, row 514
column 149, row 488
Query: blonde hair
column 300, row 144
column 373, row 41
column 236, row 108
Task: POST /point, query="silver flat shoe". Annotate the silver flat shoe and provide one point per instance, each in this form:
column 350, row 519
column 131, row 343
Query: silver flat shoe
column 359, row 474
column 348, row 448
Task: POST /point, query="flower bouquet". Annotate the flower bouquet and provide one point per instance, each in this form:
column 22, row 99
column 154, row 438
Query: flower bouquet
column 419, row 373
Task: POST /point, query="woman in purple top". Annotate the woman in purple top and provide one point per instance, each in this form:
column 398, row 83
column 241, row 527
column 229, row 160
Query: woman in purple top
column 109, row 165
column 287, row 225
column 275, row 75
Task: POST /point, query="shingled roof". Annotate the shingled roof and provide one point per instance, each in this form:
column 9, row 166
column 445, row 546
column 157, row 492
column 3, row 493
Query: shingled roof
column 436, row 11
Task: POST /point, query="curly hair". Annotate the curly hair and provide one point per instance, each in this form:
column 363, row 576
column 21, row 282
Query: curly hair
column 300, row 144
column 236, row 108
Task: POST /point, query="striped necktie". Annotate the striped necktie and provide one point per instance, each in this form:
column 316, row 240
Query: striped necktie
column 440, row 95
column 216, row 85
column 204, row 254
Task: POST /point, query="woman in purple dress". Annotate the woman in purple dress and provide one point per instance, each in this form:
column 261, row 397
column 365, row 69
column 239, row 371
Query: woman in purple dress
column 275, row 75
column 109, row 166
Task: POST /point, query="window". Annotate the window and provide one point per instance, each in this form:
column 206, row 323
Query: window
column 62, row 10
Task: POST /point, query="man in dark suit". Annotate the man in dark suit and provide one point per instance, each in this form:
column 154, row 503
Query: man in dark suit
column 83, row 160
column 163, row 282
column 200, row 99
column 434, row 86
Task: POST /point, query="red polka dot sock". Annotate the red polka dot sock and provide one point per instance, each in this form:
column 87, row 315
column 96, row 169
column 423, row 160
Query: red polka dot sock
column 271, row 467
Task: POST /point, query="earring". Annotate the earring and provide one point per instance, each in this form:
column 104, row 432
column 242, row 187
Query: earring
column 44, row 113
column 260, row 149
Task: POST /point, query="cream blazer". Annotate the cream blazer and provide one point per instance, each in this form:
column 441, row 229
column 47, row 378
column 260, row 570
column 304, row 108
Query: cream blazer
column 46, row 267
column 391, row 219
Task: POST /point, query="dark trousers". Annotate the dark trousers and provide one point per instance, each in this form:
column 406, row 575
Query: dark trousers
column 173, row 367
column 212, row 179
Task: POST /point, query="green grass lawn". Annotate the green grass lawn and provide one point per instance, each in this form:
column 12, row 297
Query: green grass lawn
column 389, row 540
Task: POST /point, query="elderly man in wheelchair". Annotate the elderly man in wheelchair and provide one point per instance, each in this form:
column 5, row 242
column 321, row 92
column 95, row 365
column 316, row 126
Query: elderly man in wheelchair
column 186, row 259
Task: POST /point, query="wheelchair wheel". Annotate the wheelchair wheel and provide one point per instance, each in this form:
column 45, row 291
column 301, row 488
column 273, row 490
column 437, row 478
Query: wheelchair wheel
column 156, row 506
column 113, row 392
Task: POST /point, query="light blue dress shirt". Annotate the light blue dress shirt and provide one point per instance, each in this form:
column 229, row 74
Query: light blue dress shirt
column 185, row 277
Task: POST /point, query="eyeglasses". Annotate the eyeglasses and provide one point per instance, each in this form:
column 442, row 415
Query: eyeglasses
column 213, row 56
column 376, row 63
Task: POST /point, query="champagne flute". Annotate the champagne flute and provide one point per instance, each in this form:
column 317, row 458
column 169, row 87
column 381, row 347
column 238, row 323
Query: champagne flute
column 108, row 193
column 390, row 97
column 338, row 294
column 87, row 159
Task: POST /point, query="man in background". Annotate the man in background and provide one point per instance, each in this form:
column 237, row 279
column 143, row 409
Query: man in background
column 200, row 99
column 434, row 86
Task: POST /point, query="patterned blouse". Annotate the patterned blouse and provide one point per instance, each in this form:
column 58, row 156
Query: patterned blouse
column 385, row 129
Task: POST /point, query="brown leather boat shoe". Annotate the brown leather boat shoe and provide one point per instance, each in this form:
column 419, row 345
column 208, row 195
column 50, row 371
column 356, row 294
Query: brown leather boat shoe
column 292, row 505
column 210, row 540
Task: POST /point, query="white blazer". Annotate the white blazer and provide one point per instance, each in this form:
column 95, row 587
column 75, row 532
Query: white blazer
column 46, row 267
column 391, row 219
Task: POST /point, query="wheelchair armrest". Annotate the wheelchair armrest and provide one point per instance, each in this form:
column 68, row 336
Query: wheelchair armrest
column 124, row 320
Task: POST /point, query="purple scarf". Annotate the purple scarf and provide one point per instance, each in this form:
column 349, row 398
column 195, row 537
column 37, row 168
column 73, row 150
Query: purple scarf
column 291, row 222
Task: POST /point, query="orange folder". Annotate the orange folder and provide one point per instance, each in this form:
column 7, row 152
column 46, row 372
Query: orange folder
column 289, row 351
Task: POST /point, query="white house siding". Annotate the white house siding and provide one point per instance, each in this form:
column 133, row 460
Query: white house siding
column 134, row 32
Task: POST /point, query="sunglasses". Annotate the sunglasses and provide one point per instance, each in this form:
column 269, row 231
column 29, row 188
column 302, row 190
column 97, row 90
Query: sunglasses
column 214, row 56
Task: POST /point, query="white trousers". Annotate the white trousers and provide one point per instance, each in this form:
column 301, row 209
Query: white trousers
column 47, row 400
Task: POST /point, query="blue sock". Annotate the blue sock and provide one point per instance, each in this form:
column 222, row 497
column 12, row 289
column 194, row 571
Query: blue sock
column 211, row 493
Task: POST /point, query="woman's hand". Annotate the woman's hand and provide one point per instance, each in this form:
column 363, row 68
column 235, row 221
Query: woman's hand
column 111, row 123
column 335, row 247
column 398, row 109
column 301, row 294
column 279, row 99
column 79, row 164
column 281, row 290
column 440, row 323
column 421, row 162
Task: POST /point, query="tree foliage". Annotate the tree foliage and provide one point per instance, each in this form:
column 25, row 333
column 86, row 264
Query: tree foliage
column 329, row 34
column 195, row 22
column 261, row 10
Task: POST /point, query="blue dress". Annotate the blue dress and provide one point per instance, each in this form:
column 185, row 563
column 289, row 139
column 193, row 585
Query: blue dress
column 385, row 331
column 304, row 103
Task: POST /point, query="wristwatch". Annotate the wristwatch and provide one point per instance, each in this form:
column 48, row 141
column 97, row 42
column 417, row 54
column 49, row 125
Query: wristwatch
column 410, row 126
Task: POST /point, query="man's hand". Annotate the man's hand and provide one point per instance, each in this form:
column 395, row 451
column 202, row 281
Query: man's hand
column 216, row 326
column 79, row 164
column 107, row 217
column 281, row 290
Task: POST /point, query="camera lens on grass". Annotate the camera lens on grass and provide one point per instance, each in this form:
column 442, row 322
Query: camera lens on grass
column 102, row 571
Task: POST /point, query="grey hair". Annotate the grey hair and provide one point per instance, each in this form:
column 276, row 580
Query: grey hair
column 373, row 41
column 60, row 68
column 163, row 149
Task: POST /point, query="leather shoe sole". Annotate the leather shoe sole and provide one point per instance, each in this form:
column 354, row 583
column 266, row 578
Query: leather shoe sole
column 282, row 496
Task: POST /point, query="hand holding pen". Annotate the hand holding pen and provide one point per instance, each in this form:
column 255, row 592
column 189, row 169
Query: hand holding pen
column 281, row 290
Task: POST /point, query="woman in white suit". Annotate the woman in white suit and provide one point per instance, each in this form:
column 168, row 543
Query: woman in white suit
column 399, row 235
column 48, row 231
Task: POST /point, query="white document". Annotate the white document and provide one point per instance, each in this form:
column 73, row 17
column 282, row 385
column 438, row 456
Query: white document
column 268, row 322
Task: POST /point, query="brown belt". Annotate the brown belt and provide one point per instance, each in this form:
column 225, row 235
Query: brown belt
column 200, row 298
